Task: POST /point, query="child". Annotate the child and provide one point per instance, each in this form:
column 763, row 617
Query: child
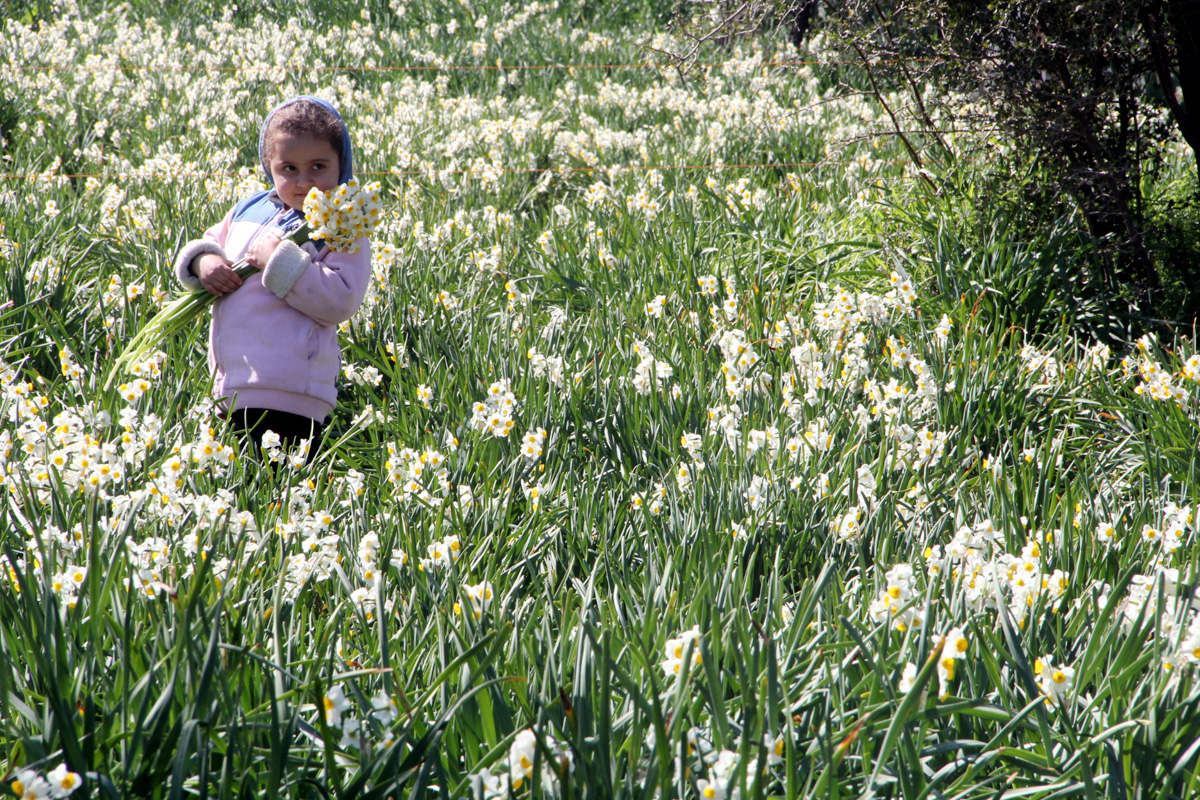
column 273, row 347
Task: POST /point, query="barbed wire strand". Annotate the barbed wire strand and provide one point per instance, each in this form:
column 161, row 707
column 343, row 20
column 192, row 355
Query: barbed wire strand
column 425, row 68
column 467, row 171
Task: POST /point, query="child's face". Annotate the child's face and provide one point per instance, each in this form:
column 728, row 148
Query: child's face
column 298, row 163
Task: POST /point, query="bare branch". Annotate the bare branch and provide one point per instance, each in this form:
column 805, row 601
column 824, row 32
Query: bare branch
column 912, row 151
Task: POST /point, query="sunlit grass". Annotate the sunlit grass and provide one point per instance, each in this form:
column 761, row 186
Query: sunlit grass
column 811, row 482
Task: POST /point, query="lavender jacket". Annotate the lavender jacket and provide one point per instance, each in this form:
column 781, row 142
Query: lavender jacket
column 273, row 342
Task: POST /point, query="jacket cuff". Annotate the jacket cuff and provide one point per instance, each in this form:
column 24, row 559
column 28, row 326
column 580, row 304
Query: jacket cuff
column 285, row 267
column 189, row 253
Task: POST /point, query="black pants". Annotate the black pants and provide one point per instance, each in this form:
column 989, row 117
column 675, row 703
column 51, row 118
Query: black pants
column 252, row 423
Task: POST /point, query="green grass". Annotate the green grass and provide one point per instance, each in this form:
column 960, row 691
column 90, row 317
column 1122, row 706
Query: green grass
column 221, row 604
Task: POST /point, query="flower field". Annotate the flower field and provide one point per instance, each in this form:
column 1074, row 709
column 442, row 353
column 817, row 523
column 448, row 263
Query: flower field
column 690, row 442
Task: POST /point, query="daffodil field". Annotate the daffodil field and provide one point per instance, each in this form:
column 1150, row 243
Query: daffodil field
column 691, row 443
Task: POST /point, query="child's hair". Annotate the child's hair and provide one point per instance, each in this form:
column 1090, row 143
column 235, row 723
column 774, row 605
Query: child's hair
column 303, row 118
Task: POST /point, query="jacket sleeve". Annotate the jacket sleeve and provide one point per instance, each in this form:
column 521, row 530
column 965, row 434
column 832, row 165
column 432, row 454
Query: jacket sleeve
column 328, row 290
column 213, row 242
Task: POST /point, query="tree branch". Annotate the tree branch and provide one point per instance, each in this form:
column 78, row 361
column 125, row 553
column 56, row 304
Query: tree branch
column 878, row 94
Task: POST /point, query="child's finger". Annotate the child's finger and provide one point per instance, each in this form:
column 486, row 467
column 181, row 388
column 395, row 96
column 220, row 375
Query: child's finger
column 223, row 282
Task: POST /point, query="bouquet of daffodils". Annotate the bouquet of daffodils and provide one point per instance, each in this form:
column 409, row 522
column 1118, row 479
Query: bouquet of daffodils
column 338, row 217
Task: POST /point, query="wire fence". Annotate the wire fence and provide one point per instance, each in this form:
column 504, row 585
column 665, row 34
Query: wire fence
column 426, row 67
column 433, row 172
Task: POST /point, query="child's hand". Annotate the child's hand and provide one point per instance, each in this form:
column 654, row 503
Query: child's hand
column 216, row 275
column 261, row 251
